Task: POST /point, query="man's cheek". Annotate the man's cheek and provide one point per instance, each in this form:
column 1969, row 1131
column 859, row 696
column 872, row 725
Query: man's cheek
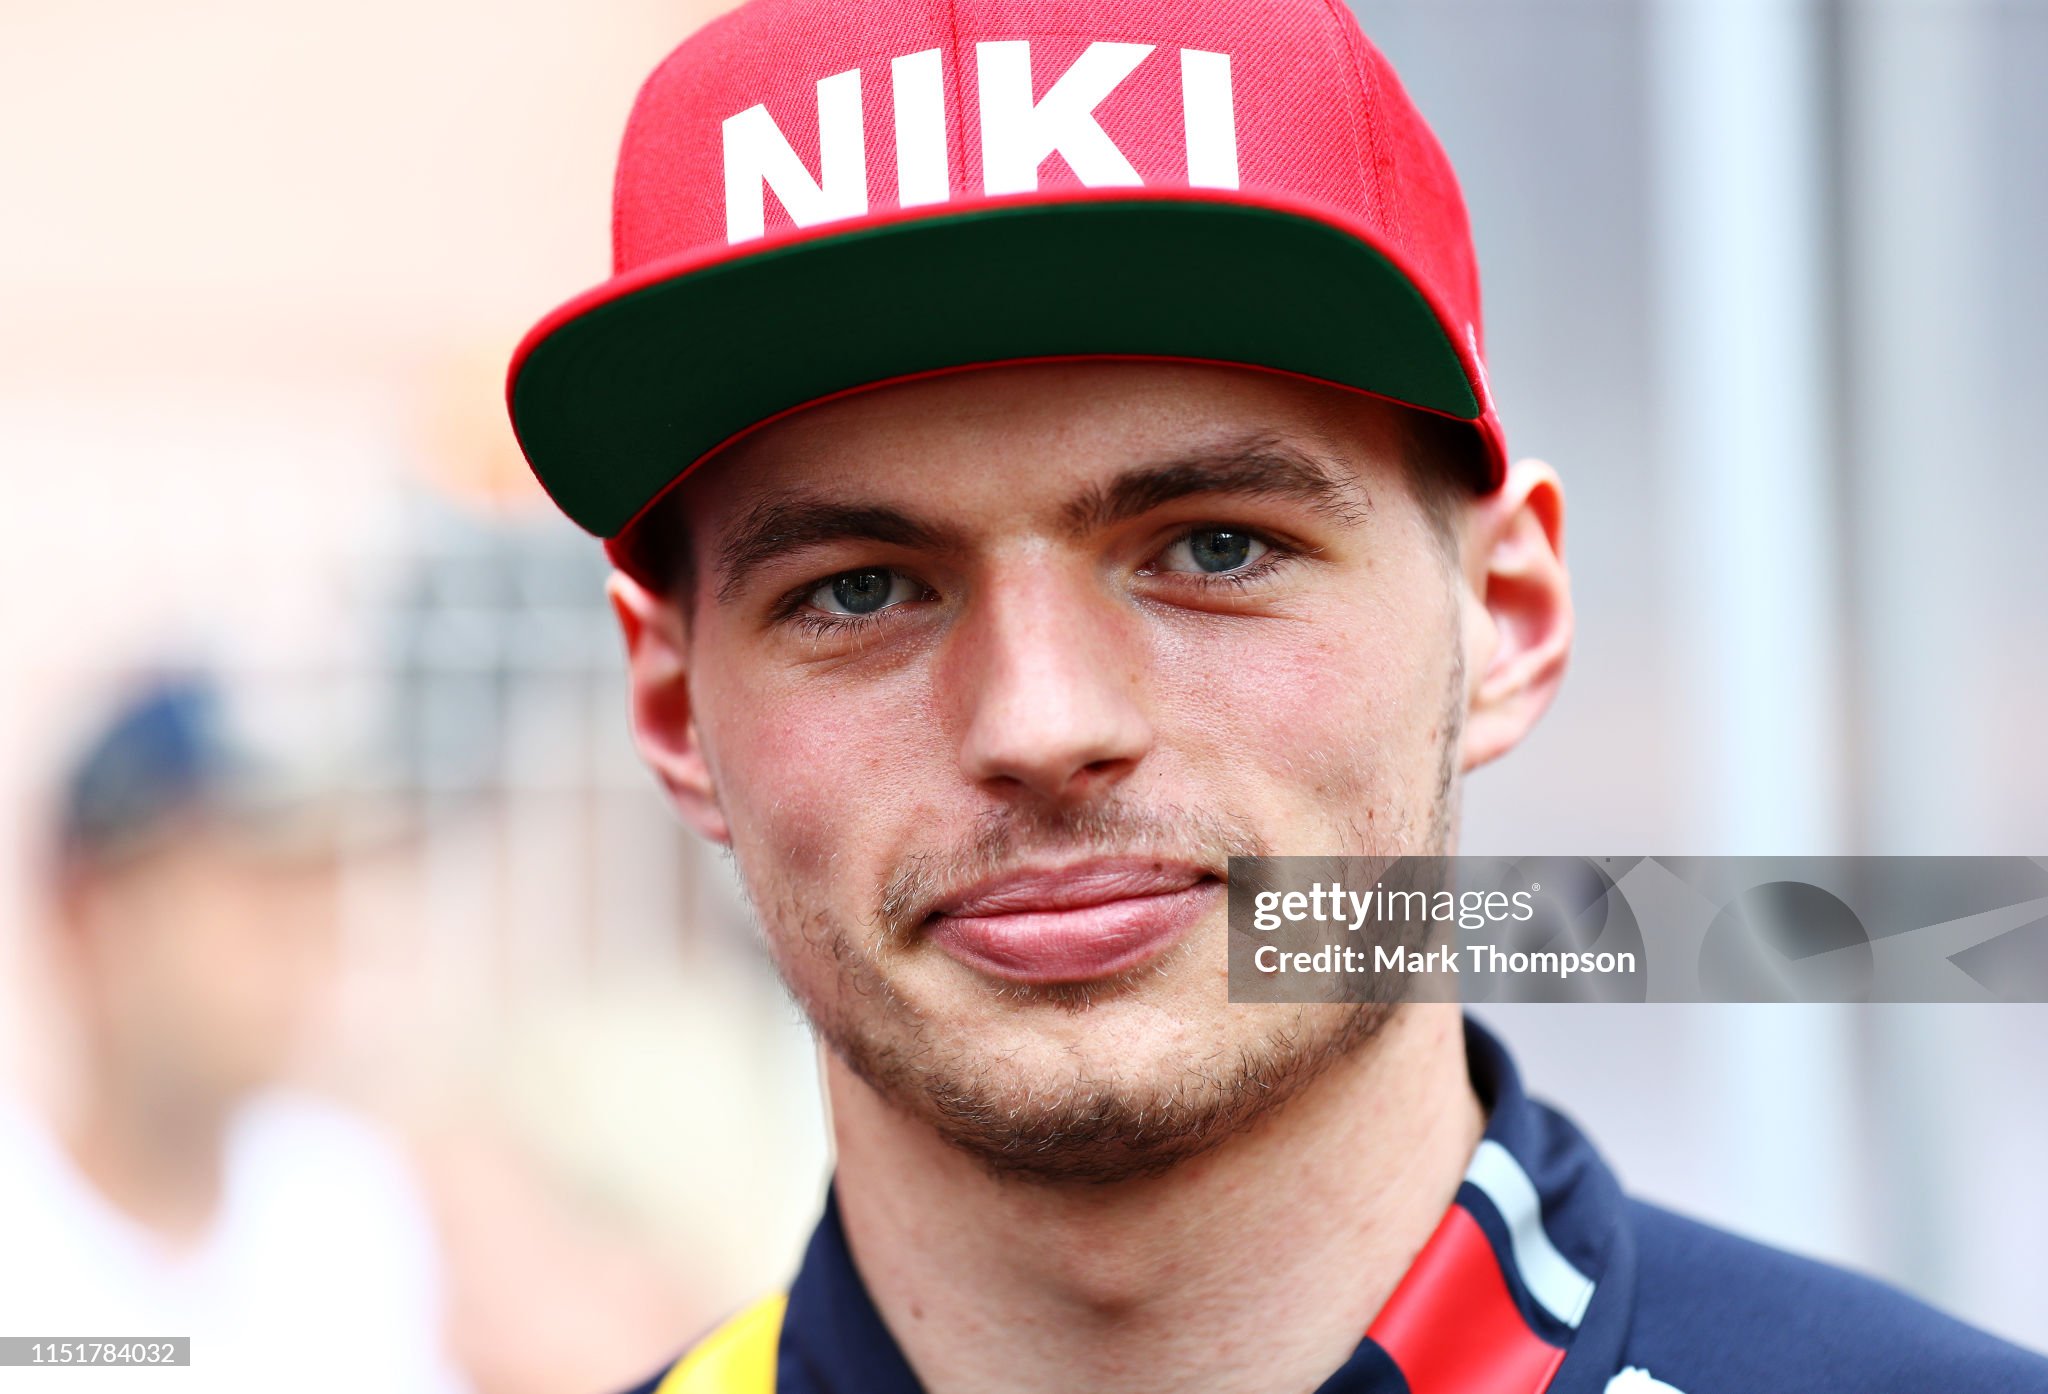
column 813, row 781
column 1288, row 699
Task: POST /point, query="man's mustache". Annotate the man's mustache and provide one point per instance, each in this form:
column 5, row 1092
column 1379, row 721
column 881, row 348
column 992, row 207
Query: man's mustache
column 1007, row 840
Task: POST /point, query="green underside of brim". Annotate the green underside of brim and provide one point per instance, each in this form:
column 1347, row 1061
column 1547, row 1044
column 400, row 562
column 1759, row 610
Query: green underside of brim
column 617, row 402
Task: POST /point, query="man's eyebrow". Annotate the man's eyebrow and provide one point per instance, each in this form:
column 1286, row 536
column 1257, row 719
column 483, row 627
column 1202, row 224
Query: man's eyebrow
column 778, row 526
column 1257, row 468
column 1260, row 468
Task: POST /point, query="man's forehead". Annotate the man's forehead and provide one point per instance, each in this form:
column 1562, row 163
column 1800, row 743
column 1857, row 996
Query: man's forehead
column 1043, row 437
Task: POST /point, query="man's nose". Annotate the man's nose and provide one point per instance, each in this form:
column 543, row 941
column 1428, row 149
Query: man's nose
column 1049, row 670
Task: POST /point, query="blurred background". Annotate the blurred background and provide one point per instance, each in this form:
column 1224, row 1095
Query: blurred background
column 1762, row 281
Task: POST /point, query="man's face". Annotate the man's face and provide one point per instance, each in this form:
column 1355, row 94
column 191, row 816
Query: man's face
column 989, row 675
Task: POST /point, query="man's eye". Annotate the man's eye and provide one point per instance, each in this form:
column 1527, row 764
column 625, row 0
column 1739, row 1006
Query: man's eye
column 1213, row 551
column 863, row 592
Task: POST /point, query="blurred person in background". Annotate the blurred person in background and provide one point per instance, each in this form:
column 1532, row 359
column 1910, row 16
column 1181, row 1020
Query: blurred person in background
column 175, row 1186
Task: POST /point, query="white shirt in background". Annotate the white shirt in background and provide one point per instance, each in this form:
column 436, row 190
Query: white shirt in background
column 320, row 1272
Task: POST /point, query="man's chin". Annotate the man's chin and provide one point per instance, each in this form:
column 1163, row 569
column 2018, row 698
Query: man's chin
column 1100, row 1099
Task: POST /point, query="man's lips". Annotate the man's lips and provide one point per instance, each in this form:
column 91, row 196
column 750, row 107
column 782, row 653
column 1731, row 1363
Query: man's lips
column 1073, row 923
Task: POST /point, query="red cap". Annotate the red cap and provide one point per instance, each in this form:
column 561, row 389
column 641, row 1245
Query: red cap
column 817, row 197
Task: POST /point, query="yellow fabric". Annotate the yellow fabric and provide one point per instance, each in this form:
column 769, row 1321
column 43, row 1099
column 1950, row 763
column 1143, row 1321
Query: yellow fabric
column 737, row 1358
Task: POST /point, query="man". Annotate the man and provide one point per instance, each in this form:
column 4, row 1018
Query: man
column 1046, row 450
column 175, row 1187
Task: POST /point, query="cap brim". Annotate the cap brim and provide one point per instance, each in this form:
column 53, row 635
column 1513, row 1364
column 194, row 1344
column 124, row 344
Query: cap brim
column 619, row 393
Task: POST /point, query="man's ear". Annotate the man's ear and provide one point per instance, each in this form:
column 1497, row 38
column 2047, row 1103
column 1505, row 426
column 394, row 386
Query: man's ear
column 664, row 723
column 1518, row 610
